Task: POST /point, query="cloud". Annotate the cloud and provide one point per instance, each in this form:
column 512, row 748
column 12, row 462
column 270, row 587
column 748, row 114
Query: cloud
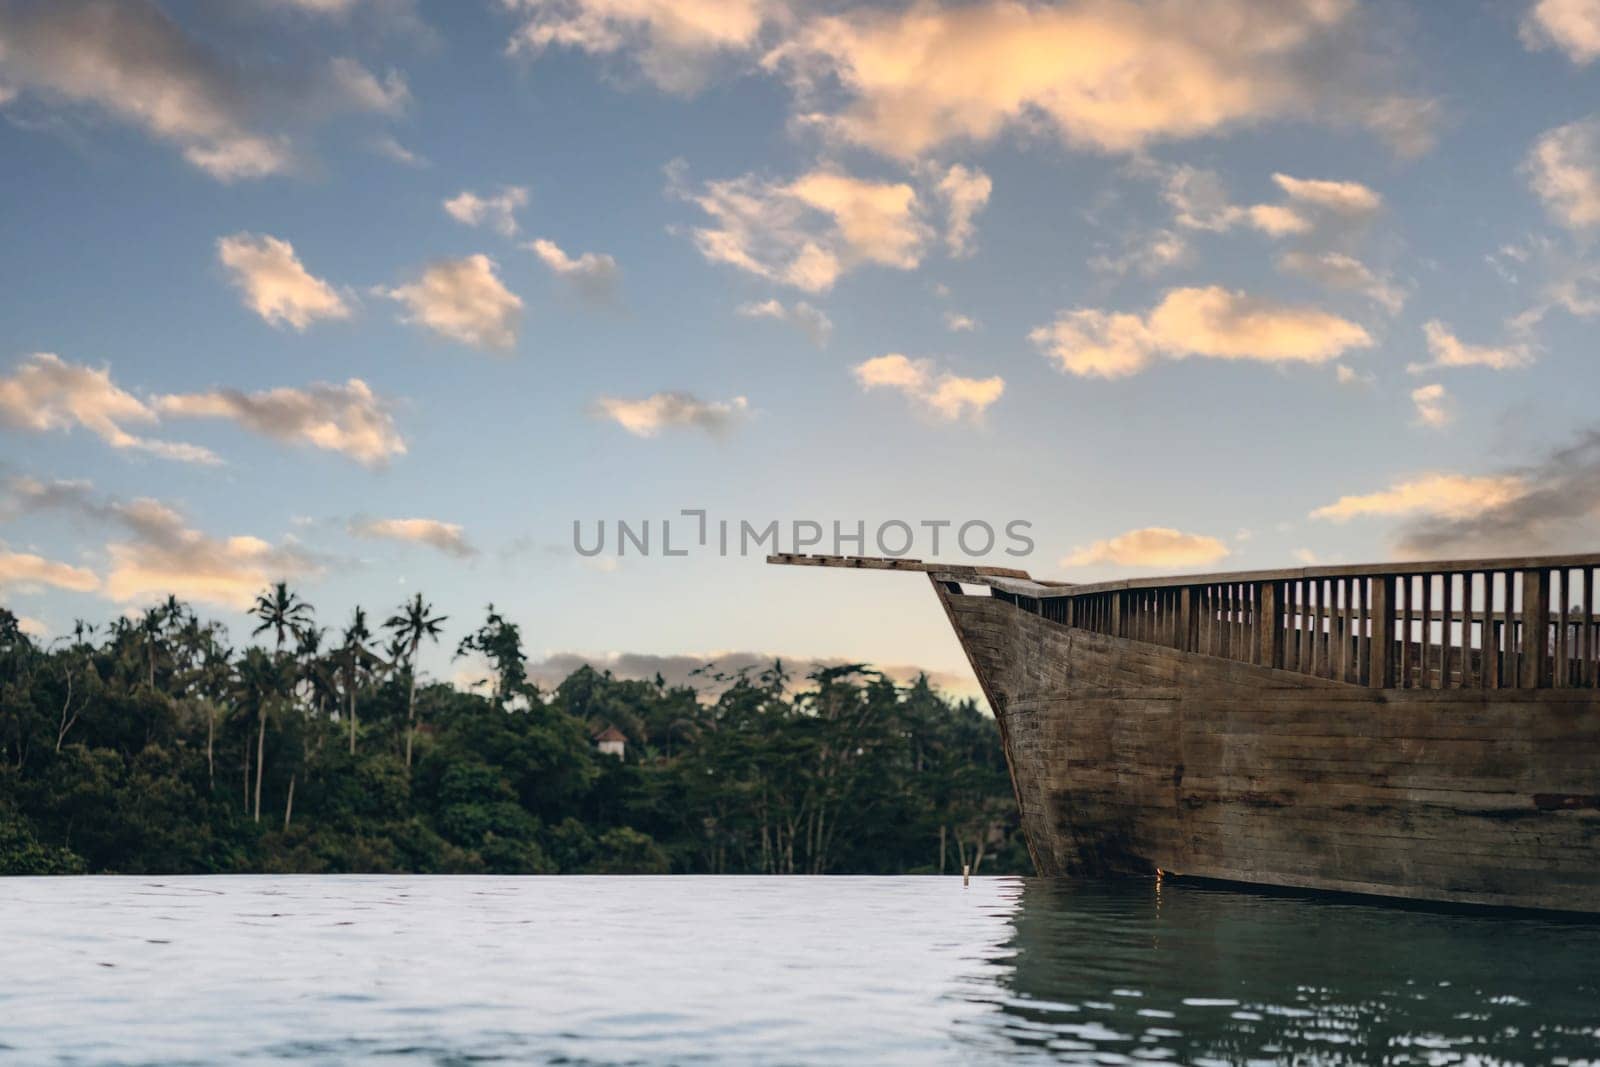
column 1448, row 351
column 965, row 191
column 463, row 300
column 1563, row 271
column 20, row 571
column 1349, row 376
column 1433, row 405
column 1199, row 202
column 652, row 414
column 1213, row 322
column 128, row 59
column 956, row 322
column 349, row 419
column 158, row 553
column 594, row 274
column 947, row 396
column 48, row 393
column 807, row 232
column 1153, row 546
column 1108, row 75
column 802, row 316
column 319, row 7
column 1573, row 26
column 1551, row 505
column 1347, row 198
column 385, row 145
column 680, row 670
column 1146, row 254
column 1452, row 496
column 1339, row 271
column 171, row 558
column 447, row 537
column 1563, row 168
column 673, row 41
column 388, row 95
column 275, row 284
column 499, row 212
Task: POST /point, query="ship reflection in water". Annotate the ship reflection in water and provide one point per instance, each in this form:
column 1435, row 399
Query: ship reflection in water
column 1192, row 974
column 749, row 970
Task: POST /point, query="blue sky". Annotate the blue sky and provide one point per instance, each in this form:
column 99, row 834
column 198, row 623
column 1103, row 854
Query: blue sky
column 381, row 296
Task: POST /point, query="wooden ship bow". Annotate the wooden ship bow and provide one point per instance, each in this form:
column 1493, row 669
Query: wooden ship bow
column 1428, row 731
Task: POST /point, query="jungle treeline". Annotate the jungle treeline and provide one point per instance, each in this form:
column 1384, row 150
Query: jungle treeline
column 154, row 745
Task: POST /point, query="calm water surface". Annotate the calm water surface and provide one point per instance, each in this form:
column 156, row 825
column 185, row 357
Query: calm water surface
column 758, row 970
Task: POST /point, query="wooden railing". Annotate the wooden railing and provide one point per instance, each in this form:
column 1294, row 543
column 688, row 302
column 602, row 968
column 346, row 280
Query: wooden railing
column 1491, row 624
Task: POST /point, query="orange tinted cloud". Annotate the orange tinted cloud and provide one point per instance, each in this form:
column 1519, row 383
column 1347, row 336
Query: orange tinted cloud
column 1213, row 322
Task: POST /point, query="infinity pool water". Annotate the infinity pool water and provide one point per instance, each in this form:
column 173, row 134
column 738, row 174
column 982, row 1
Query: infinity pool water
column 771, row 971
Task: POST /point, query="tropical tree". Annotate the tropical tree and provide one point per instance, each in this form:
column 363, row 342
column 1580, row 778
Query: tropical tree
column 414, row 621
column 149, row 635
column 284, row 614
column 500, row 642
column 258, row 684
column 355, row 659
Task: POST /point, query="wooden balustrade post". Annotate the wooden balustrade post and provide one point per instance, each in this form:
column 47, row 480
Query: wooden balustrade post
column 1535, row 628
column 1269, row 622
column 1188, row 620
column 1382, row 675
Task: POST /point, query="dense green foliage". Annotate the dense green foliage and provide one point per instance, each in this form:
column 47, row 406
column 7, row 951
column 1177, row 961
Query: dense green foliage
column 156, row 748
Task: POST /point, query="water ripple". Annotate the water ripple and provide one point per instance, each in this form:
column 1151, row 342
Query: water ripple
column 771, row 971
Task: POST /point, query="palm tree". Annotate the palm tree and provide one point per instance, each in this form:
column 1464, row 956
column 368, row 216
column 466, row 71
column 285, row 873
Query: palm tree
column 413, row 622
column 285, row 614
column 258, row 683
column 353, row 655
column 151, row 629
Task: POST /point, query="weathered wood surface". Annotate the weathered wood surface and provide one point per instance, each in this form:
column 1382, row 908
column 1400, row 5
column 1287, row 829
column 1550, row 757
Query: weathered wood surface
column 1128, row 757
column 893, row 563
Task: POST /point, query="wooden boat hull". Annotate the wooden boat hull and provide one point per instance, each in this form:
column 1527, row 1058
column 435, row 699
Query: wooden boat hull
column 1129, row 757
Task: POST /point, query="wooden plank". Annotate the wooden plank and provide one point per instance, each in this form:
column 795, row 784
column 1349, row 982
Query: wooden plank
column 1561, row 589
column 1509, row 674
column 1426, row 656
column 1591, row 654
column 1302, row 616
column 1408, row 595
column 1535, row 623
column 1382, row 673
column 1447, row 636
column 1344, row 570
column 1336, row 629
column 1189, row 616
column 1491, row 636
column 1363, row 636
column 1269, row 625
column 1319, row 661
column 890, row 563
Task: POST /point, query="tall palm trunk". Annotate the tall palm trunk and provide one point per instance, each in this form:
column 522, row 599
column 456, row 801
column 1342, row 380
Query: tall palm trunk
column 352, row 699
column 261, row 732
column 411, row 701
column 261, row 750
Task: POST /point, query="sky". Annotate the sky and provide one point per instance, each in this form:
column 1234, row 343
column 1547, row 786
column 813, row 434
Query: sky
column 384, row 296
